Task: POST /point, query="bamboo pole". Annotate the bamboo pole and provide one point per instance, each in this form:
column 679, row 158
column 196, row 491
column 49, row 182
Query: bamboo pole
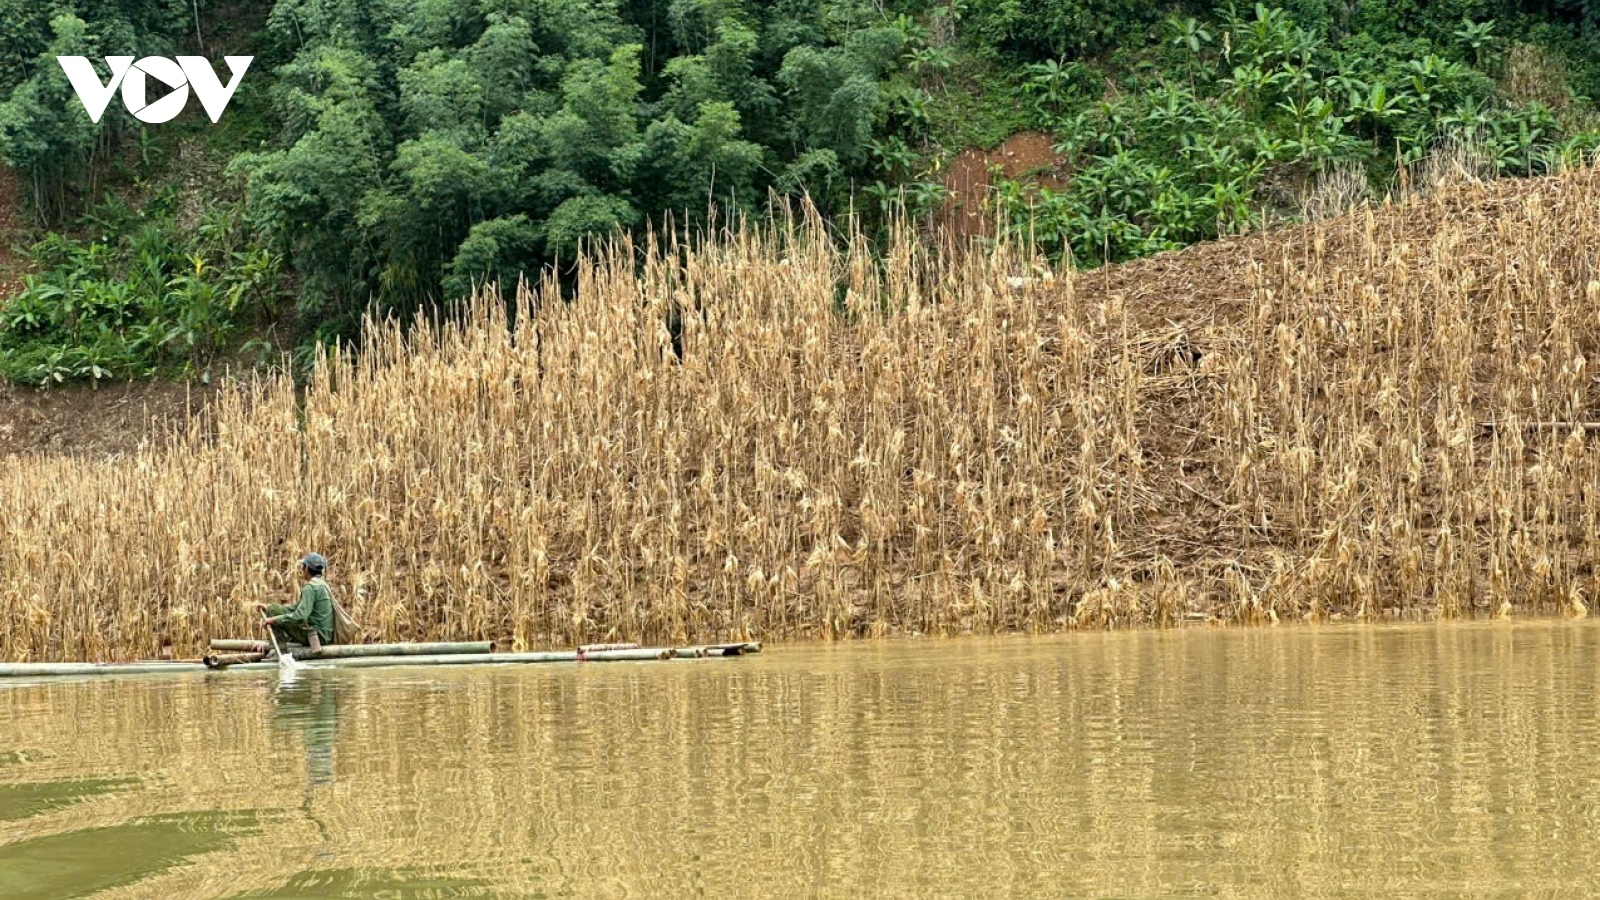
column 51, row 670
column 643, row 654
column 234, row 659
column 717, row 650
column 346, row 651
column 355, row 651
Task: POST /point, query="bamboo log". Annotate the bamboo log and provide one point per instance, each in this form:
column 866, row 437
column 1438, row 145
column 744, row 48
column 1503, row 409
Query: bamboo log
column 717, row 650
column 642, row 653
column 49, row 670
column 736, row 649
column 45, row 670
column 345, row 651
column 224, row 661
column 341, row 651
column 476, row 659
column 353, row 651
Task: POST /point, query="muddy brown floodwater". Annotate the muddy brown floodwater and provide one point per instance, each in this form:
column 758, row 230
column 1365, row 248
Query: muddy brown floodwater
column 1407, row 761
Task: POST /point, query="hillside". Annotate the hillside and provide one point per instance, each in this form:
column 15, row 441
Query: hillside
column 1331, row 420
column 1372, row 427
column 400, row 155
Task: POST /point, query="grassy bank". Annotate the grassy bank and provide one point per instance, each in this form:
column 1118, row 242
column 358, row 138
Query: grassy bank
column 1287, row 424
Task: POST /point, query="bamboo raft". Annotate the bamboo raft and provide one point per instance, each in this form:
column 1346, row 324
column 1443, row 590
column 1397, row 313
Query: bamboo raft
column 241, row 655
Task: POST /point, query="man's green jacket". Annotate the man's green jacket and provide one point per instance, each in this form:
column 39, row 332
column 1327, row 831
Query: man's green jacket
column 314, row 610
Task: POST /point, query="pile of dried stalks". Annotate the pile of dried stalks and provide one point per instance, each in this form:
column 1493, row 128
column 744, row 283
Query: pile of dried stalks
column 1289, row 424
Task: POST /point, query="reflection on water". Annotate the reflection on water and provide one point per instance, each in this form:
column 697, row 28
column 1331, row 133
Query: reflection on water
column 356, row 884
column 81, row 863
column 307, row 703
column 1437, row 761
column 21, row 801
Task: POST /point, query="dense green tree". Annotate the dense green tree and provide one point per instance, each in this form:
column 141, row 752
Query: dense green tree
column 44, row 131
column 494, row 136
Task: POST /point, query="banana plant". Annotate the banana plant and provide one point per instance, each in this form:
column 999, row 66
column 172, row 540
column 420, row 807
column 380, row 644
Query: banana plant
column 930, row 62
column 1477, row 38
column 891, row 156
column 1076, row 134
column 1251, row 85
column 1376, row 107
column 1189, row 36
column 1173, row 111
column 1050, row 84
column 1517, row 137
column 1114, row 126
column 913, row 109
column 1271, row 37
column 912, row 32
column 1437, row 82
column 1470, row 117
column 1187, row 33
column 1231, row 200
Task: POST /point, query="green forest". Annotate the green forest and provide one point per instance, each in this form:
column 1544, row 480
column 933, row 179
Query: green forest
column 393, row 154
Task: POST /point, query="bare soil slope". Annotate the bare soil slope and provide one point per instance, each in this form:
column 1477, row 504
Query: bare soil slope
column 1028, row 156
column 95, row 421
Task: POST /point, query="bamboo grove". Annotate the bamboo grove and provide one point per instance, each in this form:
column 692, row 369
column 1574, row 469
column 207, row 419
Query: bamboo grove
column 777, row 435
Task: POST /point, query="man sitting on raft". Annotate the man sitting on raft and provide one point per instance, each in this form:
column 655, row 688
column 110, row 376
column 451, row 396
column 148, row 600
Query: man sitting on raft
column 310, row 621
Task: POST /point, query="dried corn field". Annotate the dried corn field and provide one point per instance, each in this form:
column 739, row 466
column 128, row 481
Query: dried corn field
column 1351, row 418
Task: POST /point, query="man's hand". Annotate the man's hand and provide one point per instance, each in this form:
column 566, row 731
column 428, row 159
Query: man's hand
column 269, row 622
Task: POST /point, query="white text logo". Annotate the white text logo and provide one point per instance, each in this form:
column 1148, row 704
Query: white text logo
column 180, row 76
